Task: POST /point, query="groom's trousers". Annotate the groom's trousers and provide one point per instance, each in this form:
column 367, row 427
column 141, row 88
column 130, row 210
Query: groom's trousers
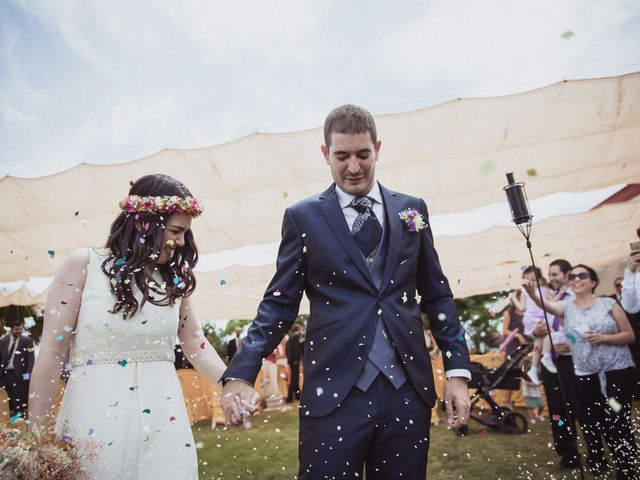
column 383, row 429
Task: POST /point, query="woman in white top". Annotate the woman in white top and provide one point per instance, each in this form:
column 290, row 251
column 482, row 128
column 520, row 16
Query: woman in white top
column 599, row 333
column 114, row 314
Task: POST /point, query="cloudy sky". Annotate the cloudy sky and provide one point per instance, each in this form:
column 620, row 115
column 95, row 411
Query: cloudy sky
column 111, row 81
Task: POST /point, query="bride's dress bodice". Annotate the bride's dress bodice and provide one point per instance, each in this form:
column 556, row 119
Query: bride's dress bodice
column 104, row 337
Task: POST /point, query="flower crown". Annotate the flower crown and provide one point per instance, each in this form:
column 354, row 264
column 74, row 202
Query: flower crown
column 163, row 204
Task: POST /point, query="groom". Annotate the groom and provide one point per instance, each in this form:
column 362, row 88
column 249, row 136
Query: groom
column 368, row 385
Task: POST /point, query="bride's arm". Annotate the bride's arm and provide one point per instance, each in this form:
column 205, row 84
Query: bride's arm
column 60, row 317
column 196, row 347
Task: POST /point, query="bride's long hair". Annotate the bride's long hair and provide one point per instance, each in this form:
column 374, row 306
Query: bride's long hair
column 135, row 242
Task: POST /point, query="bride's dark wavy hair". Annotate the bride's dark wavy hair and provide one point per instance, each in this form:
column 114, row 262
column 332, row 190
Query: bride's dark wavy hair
column 135, row 242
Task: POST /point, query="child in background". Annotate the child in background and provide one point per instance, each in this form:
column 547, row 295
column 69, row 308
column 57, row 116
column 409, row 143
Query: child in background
column 533, row 401
column 533, row 315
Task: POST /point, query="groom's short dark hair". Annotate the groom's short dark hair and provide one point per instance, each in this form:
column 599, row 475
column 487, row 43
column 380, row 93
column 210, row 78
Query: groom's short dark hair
column 350, row 119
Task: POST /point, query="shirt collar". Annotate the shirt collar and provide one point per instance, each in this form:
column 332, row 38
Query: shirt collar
column 345, row 198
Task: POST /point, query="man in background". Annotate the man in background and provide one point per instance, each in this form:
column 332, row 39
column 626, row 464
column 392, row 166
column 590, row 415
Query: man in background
column 234, row 344
column 294, row 349
column 16, row 364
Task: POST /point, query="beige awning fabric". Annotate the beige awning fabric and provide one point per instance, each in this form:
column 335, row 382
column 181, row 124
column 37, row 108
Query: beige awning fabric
column 575, row 136
column 23, row 296
column 481, row 263
column 571, row 136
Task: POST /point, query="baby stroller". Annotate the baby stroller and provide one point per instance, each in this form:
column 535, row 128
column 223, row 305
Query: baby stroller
column 506, row 377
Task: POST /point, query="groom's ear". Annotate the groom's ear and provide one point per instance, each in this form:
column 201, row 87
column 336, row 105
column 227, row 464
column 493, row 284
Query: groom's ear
column 376, row 147
column 325, row 152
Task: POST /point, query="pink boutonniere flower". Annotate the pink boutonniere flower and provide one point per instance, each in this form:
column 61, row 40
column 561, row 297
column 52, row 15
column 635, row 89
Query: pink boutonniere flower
column 412, row 220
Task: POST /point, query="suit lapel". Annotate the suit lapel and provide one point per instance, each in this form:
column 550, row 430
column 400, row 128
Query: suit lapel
column 394, row 225
column 335, row 218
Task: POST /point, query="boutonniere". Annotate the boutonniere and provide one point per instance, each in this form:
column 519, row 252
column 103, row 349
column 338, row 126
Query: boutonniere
column 412, row 220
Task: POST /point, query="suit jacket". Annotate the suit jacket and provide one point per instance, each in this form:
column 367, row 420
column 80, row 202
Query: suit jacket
column 23, row 359
column 318, row 256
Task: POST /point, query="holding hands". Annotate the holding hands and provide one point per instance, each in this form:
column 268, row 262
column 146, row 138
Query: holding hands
column 239, row 401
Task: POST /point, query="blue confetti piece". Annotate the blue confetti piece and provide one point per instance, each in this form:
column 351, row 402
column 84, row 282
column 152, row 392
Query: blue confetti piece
column 26, row 376
column 461, row 338
column 123, row 362
column 91, row 431
column 67, row 438
column 120, row 262
column 176, row 280
column 59, row 337
column 15, row 418
column 52, row 253
column 560, row 422
column 223, row 282
column 89, row 362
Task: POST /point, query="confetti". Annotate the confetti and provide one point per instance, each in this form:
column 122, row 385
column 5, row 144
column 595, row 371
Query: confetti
column 556, row 417
column 448, row 354
column 176, row 280
column 319, row 391
column 91, row 431
column 199, row 445
column 532, row 172
column 59, row 337
column 202, row 345
column 614, row 404
column 567, row 35
column 77, row 212
column 123, row 363
column 560, row 423
column 52, row 253
column 277, row 293
column 142, row 240
column 67, row 328
column 26, row 376
column 146, row 410
column 89, row 362
column 285, row 194
column 442, row 316
column 120, row 262
column 223, row 282
column 15, row 418
column 172, row 419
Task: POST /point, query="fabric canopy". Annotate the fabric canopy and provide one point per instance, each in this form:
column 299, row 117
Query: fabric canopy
column 481, row 263
column 571, row 136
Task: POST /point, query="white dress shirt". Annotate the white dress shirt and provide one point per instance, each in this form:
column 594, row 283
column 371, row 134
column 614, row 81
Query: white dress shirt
column 630, row 298
column 350, row 215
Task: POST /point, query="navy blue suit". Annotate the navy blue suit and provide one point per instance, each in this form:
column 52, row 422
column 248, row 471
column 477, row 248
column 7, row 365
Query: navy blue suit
column 319, row 257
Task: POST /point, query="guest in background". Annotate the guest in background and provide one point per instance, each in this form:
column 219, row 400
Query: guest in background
column 234, row 344
column 533, row 401
column 512, row 322
column 629, row 298
column 295, row 351
column 599, row 333
column 16, row 364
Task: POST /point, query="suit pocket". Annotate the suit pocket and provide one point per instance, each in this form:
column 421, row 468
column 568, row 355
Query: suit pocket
column 315, row 327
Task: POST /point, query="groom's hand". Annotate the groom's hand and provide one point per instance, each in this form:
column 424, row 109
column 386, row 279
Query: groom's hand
column 456, row 402
column 239, row 400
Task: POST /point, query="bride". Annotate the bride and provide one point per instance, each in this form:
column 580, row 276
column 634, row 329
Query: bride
column 113, row 315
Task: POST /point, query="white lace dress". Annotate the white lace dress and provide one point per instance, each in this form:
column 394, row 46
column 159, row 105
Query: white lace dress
column 123, row 392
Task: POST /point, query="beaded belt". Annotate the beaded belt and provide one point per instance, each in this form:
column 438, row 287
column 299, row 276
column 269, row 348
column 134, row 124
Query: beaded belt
column 81, row 359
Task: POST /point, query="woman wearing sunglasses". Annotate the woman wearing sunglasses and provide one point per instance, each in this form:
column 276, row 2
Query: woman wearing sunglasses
column 599, row 333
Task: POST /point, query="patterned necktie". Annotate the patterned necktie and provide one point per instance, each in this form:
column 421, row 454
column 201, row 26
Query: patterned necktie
column 366, row 229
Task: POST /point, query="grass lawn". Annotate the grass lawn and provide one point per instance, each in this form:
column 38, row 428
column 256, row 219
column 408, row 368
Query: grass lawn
column 269, row 451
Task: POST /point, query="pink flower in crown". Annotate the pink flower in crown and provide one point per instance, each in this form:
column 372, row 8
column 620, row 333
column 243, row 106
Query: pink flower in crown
column 412, row 220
